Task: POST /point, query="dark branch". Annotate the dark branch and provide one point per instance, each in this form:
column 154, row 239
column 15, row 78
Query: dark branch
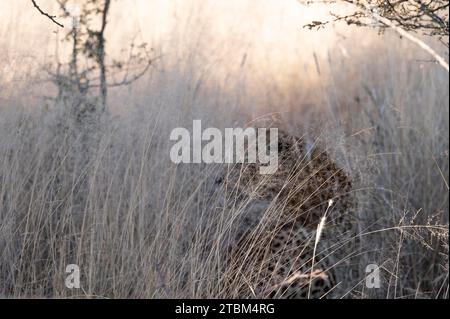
column 52, row 18
column 428, row 17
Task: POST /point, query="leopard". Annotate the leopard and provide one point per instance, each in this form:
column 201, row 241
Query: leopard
column 294, row 232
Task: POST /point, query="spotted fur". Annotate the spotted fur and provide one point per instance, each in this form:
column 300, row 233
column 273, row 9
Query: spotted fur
column 272, row 252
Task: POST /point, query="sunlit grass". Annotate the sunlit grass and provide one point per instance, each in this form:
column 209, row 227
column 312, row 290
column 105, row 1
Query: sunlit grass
column 141, row 227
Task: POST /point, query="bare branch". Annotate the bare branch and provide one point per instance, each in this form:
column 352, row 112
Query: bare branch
column 425, row 17
column 413, row 39
column 428, row 17
column 52, row 18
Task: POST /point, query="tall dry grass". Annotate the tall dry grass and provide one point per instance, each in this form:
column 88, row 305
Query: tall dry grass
column 106, row 197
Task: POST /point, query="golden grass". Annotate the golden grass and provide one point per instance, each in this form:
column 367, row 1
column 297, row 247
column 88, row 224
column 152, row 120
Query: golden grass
column 140, row 227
